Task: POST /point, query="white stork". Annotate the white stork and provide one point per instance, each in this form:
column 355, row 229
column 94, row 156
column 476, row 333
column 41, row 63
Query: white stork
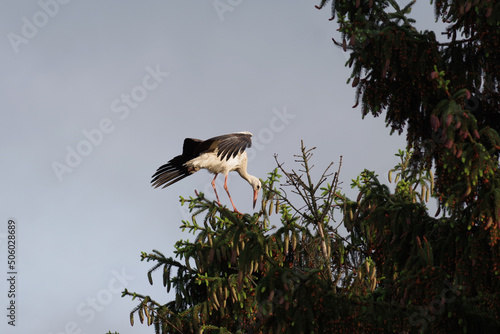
column 221, row 154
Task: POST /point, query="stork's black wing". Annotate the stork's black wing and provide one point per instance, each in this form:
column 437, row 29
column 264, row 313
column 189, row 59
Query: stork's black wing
column 175, row 170
column 171, row 172
column 227, row 146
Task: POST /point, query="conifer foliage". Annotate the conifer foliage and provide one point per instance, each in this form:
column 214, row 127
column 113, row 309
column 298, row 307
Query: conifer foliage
column 291, row 268
column 283, row 268
column 311, row 260
column 444, row 94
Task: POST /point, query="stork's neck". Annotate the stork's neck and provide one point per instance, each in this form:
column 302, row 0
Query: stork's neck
column 242, row 170
column 244, row 174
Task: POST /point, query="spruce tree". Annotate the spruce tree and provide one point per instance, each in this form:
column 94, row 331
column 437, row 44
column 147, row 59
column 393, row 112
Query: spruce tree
column 291, row 267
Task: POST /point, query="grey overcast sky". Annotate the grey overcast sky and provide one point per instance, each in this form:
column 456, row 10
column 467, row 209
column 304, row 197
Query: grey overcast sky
column 97, row 94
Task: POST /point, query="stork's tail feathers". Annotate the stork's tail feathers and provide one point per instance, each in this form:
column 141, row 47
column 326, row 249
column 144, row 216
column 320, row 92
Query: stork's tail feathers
column 171, row 172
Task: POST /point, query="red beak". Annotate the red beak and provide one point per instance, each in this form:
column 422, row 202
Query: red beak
column 255, row 195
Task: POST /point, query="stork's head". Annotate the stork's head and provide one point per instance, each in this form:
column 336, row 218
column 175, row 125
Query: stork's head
column 256, row 185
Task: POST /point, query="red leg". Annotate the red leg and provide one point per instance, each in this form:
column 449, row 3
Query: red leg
column 213, row 185
column 225, row 187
